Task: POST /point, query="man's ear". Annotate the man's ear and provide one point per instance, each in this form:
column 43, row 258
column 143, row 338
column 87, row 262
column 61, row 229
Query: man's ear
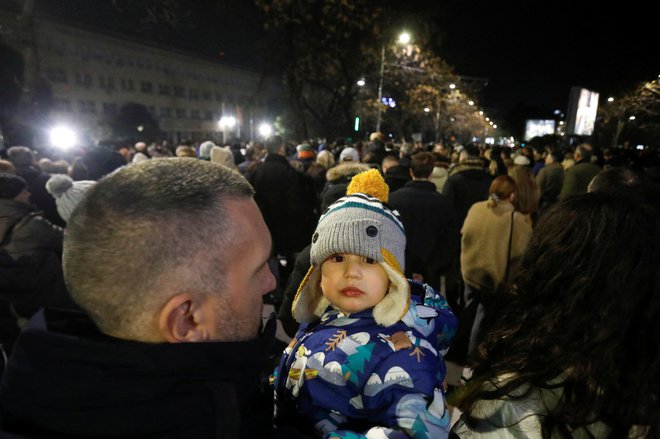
column 182, row 320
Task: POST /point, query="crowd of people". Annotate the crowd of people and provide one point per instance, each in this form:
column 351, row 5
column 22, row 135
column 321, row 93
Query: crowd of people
column 428, row 290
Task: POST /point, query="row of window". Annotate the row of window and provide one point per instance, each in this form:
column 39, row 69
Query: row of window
column 110, row 108
column 147, row 87
column 86, row 53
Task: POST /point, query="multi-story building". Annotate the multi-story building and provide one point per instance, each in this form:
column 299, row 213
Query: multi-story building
column 92, row 74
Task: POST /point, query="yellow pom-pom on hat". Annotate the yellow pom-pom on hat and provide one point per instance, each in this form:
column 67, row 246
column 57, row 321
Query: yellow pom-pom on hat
column 370, row 183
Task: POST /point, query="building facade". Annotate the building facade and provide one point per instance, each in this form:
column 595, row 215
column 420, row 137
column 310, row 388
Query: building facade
column 91, row 75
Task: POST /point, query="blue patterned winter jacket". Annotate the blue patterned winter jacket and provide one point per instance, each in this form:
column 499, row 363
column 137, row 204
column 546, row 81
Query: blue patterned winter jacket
column 346, row 376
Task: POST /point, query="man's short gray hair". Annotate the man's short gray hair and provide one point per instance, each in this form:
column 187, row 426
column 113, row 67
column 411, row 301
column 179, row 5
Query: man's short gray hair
column 144, row 232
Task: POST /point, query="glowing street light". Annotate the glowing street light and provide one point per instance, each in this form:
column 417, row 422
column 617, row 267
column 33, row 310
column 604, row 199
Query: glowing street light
column 265, row 129
column 404, row 38
column 226, row 123
column 361, row 82
column 62, row 137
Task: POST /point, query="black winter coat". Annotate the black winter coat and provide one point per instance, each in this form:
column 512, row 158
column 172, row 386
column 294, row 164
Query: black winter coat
column 432, row 234
column 30, row 265
column 67, row 379
column 287, row 201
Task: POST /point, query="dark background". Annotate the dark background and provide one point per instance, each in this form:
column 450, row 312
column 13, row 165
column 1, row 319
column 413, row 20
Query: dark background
column 529, row 52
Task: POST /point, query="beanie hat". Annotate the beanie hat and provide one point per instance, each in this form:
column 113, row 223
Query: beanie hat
column 205, row 150
column 11, row 185
column 67, row 193
column 349, row 154
column 305, row 151
column 361, row 223
column 224, row 156
column 521, row 160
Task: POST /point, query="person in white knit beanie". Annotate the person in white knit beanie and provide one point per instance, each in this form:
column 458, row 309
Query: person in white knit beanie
column 67, row 193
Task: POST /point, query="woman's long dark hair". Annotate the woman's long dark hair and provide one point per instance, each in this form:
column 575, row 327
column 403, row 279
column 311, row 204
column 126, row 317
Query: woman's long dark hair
column 584, row 314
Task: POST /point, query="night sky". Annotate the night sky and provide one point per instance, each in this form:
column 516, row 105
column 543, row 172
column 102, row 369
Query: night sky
column 531, row 52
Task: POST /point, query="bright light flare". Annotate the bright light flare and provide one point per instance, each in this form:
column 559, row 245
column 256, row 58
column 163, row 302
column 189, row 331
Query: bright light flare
column 62, row 137
column 404, row 38
column 227, row 122
column 265, row 129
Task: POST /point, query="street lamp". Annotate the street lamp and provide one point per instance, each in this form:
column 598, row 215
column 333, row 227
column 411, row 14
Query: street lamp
column 265, row 130
column 404, row 38
column 226, row 122
column 62, row 137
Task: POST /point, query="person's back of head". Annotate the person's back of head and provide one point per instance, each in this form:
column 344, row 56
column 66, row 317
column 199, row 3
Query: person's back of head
column 274, row 144
column 553, row 156
column 7, row 166
column 527, row 191
column 349, row 154
column 205, row 150
column 388, row 162
column 128, row 246
column 11, row 185
column 21, row 156
column 568, row 327
column 617, row 181
column 325, row 159
column 501, row 188
column 421, row 165
column 583, row 152
column 471, row 150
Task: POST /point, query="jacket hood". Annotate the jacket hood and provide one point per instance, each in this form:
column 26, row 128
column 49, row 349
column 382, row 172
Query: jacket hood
column 345, row 170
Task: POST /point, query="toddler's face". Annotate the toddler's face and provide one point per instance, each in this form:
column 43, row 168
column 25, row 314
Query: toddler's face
column 353, row 283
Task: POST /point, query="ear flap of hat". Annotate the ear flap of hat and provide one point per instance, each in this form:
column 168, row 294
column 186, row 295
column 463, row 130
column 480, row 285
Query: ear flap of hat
column 397, row 300
column 309, row 301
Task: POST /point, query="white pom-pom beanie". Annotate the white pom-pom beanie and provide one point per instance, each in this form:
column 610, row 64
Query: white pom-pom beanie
column 67, row 193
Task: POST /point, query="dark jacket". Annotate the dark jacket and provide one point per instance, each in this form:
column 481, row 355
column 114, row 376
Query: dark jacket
column 286, row 199
column 432, row 233
column 39, row 196
column 31, row 267
column 577, row 178
column 550, row 180
column 397, row 176
column 467, row 184
column 337, row 180
column 67, row 379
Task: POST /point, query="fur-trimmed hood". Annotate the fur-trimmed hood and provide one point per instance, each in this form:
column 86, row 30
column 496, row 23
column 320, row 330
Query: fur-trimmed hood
column 345, row 170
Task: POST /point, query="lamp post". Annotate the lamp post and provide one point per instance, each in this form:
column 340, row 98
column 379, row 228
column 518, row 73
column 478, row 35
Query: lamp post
column 404, row 38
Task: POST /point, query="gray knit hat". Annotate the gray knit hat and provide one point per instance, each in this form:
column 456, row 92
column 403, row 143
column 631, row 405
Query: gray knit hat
column 67, row 193
column 360, row 223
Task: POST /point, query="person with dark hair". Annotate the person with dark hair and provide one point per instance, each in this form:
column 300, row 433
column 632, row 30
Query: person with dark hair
column 26, row 166
column 396, row 174
column 31, row 268
column 287, row 201
column 624, row 182
column 431, row 229
column 574, row 350
column 467, row 184
column 171, row 346
column 550, row 179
